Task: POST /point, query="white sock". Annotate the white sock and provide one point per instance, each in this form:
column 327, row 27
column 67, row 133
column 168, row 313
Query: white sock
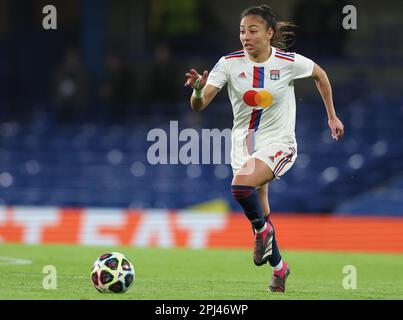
column 279, row 266
column 262, row 228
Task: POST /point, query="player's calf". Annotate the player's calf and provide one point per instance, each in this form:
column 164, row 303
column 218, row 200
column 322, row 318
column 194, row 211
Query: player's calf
column 248, row 198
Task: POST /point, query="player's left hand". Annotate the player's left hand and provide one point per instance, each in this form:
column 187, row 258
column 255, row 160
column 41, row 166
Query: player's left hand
column 337, row 128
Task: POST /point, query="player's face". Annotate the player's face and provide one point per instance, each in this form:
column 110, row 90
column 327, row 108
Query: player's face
column 255, row 35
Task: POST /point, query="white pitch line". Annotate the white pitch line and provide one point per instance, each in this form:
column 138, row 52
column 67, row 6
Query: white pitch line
column 13, row 261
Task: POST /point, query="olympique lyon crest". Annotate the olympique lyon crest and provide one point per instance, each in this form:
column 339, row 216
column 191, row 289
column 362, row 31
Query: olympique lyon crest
column 275, row 74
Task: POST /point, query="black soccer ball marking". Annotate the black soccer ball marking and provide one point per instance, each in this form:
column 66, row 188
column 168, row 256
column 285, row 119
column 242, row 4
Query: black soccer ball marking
column 116, row 287
column 126, row 265
column 112, row 263
column 128, row 280
column 106, row 277
column 94, row 278
column 105, row 256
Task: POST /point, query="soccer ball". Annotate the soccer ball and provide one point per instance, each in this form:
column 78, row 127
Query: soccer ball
column 112, row 272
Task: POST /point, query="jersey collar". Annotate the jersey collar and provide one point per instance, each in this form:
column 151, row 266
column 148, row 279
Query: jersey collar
column 273, row 51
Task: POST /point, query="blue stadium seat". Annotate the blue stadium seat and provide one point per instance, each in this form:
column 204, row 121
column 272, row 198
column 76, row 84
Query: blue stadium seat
column 95, row 164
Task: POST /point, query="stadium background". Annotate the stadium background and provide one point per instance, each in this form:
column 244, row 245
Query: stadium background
column 77, row 103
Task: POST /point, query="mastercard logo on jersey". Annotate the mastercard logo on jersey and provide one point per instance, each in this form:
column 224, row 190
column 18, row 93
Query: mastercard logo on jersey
column 261, row 98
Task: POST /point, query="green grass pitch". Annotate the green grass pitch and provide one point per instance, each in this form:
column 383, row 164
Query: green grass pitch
column 176, row 274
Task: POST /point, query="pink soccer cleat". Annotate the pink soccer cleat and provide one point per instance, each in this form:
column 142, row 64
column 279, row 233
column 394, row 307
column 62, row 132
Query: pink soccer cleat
column 263, row 246
column 279, row 278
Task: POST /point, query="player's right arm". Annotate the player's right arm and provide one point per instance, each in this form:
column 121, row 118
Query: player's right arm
column 202, row 94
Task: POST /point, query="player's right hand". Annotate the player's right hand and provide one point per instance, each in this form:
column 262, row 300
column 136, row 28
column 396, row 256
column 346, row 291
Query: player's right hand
column 337, row 128
column 195, row 80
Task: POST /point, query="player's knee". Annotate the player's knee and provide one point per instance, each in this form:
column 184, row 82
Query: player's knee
column 236, row 181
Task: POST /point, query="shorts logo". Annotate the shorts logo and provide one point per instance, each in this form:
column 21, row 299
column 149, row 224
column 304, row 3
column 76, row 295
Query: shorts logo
column 279, row 153
column 274, row 74
column 262, row 98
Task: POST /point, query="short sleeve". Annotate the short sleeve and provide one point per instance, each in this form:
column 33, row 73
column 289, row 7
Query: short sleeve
column 303, row 67
column 218, row 76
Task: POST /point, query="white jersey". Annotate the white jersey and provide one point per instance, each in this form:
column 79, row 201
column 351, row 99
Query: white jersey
column 262, row 97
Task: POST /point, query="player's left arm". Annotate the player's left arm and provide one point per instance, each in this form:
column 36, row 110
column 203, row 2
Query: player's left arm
column 323, row 84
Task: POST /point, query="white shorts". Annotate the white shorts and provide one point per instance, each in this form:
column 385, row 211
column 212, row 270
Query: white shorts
column 278, row 157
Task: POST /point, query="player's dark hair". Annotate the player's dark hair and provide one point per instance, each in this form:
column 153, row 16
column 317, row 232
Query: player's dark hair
column 282, row 38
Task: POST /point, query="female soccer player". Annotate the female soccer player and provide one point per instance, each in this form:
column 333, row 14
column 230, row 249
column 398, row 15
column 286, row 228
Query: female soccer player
column 260, row 86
